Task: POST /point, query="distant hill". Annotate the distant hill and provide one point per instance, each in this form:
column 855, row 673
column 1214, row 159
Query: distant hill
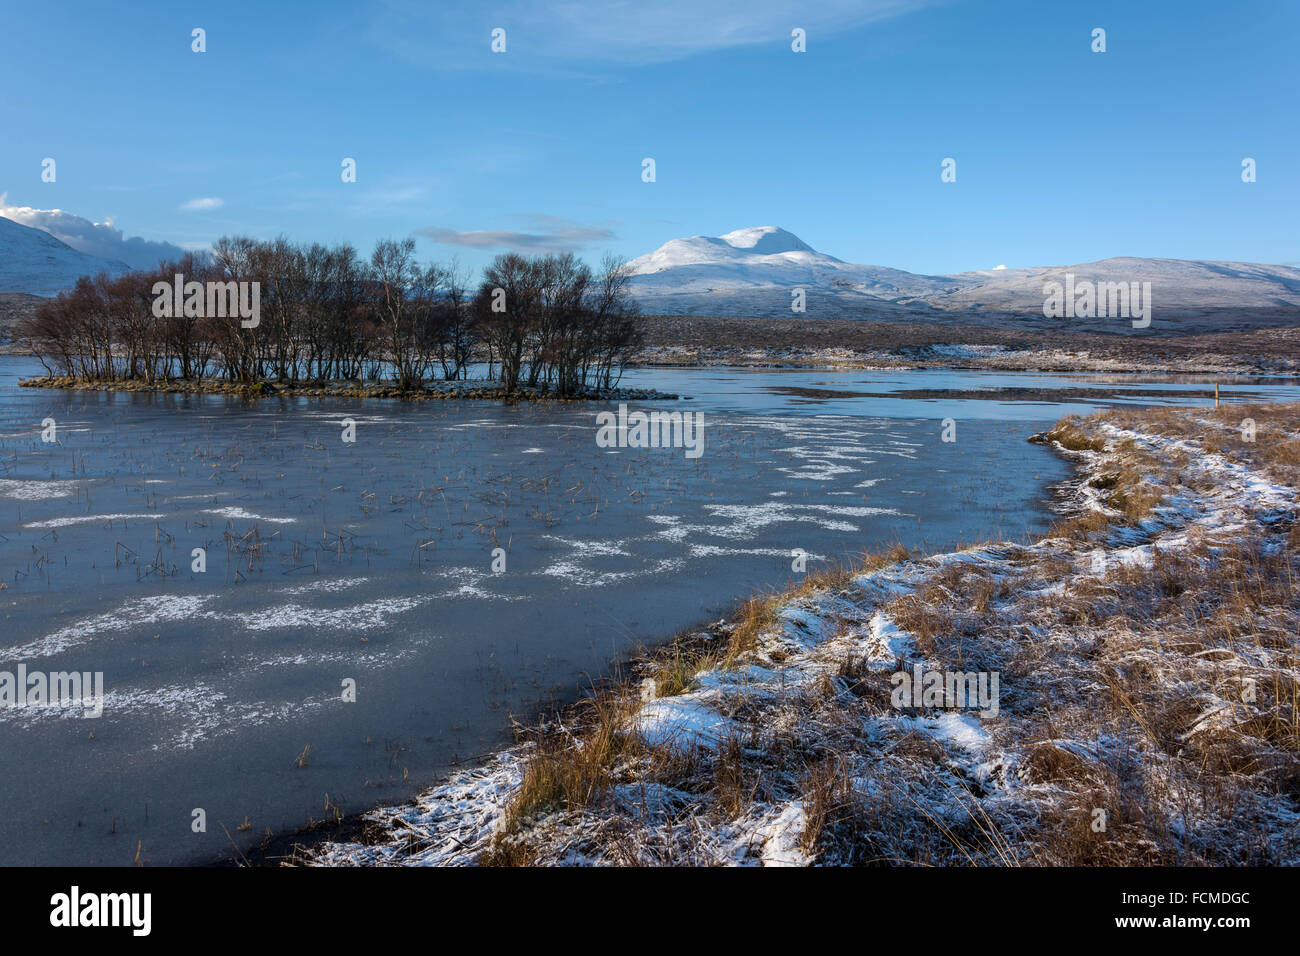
column 35, row 263
column 751, row 272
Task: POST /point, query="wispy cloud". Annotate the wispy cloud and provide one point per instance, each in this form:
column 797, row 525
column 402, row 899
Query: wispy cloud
column 396, row 197
column 204, row 203
column 101, row 239
column 553, row 235
column 560, row 31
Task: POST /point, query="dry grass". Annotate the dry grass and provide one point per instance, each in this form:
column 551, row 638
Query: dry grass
column 827, row 793
column 735, row 779
column 566, row 770
column 922, row 618
column 756, row 615
column 1070, row 436
column 675, row 672
column 875, row 560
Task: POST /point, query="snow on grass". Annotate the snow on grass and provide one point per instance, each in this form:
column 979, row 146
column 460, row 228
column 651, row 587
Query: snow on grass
column 685, row 721
column 961, row 731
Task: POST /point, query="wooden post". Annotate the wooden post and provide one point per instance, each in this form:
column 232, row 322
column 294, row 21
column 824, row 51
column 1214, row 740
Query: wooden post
column 1216, row 394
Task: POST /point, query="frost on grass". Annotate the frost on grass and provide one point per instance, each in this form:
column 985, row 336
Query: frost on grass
column 1147, row 650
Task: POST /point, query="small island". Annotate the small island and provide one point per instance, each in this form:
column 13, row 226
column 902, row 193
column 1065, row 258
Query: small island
column 258, row 318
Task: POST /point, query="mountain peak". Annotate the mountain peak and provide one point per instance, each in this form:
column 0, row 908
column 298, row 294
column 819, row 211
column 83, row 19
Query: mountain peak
column 766, row 240
column 765, row 246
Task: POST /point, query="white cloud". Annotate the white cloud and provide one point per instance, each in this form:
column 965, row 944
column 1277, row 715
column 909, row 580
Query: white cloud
column 459, row 35
column 996, row 268
column 198, row 205
column 101, row 239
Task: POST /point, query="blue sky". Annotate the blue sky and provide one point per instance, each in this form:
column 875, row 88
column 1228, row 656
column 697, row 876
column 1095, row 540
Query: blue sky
column 1063, row 155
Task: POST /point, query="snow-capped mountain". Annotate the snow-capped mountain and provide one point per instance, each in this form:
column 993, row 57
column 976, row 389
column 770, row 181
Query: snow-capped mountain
column 36, row 263
column 768, row 257
column 1175, row 283
column 752, row 272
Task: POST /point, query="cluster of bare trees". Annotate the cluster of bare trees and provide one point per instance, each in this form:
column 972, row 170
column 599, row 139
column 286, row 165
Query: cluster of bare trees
column 326, row 314
column 552, row 321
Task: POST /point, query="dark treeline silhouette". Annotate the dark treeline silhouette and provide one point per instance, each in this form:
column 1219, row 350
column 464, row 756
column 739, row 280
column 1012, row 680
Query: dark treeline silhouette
column 325, row 314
